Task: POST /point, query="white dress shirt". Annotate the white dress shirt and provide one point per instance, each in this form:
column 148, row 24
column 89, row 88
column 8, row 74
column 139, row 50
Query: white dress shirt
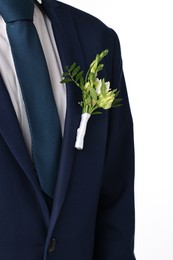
column 8, row 72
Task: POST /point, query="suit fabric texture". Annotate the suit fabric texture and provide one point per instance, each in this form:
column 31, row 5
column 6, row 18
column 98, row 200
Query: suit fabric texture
column 92, row 216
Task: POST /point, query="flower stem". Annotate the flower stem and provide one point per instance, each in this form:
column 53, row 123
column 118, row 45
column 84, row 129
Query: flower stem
column 81, row 131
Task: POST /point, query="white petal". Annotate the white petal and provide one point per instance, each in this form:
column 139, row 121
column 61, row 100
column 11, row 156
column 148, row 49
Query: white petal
column 107, row 85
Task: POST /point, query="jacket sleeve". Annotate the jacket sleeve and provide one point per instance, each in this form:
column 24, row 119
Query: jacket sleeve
column 114, row 236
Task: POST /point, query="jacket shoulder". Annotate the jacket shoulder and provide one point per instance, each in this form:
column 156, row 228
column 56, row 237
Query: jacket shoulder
column 83, row 19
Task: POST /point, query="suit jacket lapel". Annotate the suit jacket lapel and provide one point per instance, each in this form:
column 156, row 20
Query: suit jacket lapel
column 70, row 51
column 11, row 132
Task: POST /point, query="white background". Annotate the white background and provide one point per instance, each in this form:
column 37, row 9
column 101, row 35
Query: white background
column 145, row 29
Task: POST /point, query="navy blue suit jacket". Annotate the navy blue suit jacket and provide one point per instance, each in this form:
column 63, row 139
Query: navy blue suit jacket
column 93, row 210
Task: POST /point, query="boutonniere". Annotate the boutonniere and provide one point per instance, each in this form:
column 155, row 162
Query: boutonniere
column 96, row 93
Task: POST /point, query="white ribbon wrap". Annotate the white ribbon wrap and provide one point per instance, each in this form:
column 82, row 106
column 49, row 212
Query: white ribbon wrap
column 81, row 131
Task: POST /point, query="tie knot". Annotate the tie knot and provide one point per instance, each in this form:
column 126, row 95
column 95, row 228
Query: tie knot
column 15, row 10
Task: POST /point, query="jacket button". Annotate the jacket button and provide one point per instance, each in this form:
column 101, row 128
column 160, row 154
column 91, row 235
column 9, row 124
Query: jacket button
column 52, row 246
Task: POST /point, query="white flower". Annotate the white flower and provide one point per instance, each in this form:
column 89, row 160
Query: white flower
column 99, row 85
